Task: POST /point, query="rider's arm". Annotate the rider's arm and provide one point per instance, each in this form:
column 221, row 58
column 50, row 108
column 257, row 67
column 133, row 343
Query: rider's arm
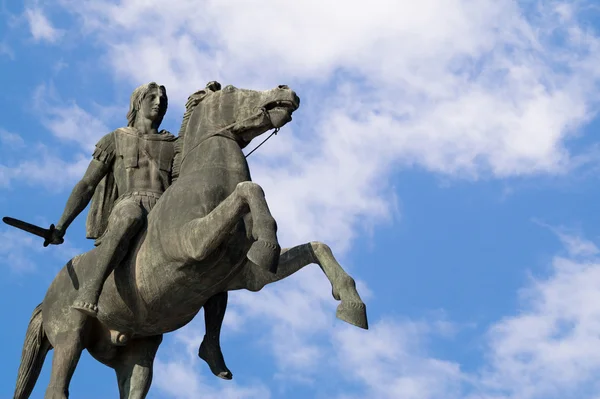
column 84, row 190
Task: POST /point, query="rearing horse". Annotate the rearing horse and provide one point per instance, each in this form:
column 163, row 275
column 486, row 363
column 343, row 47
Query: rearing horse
column 210, row 232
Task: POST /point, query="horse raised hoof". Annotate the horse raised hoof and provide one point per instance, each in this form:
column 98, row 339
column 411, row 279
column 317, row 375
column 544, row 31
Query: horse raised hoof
column 214, row 358
column 354, row 313
column 89, row 309
column 265, row 254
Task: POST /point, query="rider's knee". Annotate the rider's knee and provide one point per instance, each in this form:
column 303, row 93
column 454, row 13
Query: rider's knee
column 133, row 220
column 129, row 217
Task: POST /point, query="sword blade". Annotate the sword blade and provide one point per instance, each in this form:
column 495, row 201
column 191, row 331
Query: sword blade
column 28, row 227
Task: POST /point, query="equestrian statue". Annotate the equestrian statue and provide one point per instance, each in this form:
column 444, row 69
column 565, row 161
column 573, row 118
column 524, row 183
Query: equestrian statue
column 177, row 223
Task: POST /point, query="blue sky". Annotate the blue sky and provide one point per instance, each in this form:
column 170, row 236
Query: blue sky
column 445, row 150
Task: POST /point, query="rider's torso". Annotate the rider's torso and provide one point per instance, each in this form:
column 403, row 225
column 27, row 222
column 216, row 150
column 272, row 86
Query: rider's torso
column 142, row 163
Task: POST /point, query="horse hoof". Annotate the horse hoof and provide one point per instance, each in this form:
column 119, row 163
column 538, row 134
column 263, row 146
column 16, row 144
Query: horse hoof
column 354, row 313
column 264, row 254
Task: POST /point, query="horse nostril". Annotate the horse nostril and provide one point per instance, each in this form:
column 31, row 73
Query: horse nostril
column 283, row 87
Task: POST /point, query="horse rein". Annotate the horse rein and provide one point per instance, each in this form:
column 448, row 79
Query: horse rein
column 256, row 148
column 230, row 136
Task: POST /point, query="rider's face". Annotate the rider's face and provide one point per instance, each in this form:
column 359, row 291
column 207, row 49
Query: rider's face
column 154, row 104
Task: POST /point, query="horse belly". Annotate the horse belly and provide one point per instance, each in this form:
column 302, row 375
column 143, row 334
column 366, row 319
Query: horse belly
column 116, row 309
column 184, row 290
column 119, row 306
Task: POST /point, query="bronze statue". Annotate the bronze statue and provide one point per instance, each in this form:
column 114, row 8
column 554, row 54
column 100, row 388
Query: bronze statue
column 209, row 233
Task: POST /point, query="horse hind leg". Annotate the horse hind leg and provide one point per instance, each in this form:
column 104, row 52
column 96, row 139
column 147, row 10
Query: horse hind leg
column 134, row 367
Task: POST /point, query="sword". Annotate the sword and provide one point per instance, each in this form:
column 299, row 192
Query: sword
column 46, row 234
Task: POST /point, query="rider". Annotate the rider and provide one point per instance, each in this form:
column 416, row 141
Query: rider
column 130, row 169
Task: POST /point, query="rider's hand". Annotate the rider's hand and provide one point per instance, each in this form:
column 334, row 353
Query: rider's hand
column 57, row 236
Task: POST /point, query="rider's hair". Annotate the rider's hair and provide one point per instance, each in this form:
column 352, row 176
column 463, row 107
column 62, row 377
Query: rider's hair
column 136, row 102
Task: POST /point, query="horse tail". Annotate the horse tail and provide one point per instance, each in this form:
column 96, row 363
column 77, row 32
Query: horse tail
column 35, row 349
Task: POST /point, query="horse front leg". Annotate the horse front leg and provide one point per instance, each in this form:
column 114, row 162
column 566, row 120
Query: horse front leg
column 351, row 309
column 202, row 236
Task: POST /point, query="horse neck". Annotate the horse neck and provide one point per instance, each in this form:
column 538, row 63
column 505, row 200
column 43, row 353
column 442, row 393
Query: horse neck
column 211, row 152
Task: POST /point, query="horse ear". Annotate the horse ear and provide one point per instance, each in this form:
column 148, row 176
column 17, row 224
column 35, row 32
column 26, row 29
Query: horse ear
column 195, row 98
column 198, row 96
column 213, row 85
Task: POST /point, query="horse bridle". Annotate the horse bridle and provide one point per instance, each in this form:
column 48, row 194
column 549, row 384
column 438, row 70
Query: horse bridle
column 264, row 111
column 225, row 133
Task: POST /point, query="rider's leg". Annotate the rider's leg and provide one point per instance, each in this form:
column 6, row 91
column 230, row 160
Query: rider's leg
column 124, row 223
column 210, row 349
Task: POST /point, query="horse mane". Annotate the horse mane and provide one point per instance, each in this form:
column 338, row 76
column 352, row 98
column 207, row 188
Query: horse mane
column 190, row 106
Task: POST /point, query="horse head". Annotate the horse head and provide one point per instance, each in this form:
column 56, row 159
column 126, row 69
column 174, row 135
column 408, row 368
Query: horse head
column 240, row 114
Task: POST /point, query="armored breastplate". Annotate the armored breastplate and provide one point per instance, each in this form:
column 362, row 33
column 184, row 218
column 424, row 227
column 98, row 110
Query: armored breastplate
column 157, row 148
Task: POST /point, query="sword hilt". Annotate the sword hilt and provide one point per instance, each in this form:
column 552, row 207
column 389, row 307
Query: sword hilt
column 48, row 238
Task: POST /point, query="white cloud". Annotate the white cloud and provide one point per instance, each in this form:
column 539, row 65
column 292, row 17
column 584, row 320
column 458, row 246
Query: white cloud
column 180, row 381
column 42, row 168
column 18, row 249
column 575, row 244
column 14, row 247
column 11, row 140
column 578, row 246
column 67, row 121
column 182, row 375
column 551, row 348
column 389, row 362
column 40, row 26
column 38, row 165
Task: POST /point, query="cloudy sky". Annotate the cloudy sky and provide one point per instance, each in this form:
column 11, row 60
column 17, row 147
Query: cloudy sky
column 446, row 150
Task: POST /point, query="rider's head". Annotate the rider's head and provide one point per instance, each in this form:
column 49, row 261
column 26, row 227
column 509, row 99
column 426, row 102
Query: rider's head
column 159, row 105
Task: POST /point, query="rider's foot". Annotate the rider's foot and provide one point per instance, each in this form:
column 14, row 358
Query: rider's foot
column 86, row 308
column 211, row 354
